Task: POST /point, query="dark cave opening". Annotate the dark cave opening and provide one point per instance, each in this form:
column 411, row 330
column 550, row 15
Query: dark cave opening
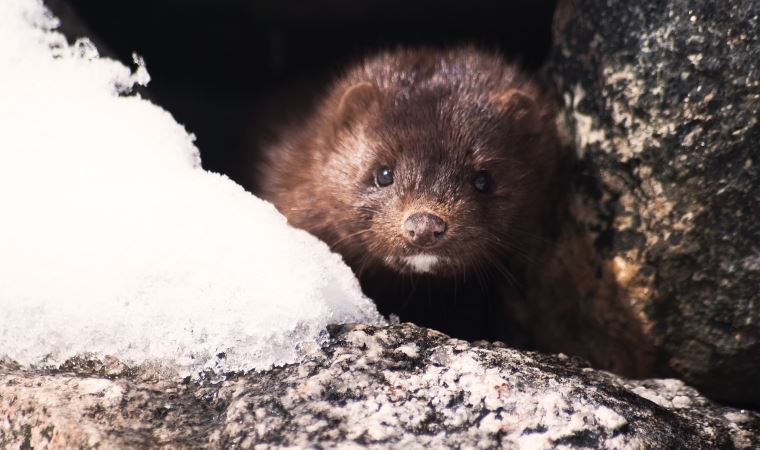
column 230, row 69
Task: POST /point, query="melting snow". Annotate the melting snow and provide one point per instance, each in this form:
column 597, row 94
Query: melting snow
column 114, row 241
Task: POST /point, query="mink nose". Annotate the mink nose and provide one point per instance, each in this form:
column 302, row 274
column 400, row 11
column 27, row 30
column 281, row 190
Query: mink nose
column 424, row 230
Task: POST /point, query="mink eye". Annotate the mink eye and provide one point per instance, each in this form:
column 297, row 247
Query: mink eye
column 482, row 181
column 384, row 176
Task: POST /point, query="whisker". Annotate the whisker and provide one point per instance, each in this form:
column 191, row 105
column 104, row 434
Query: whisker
column 343, row 239
column 513, row 249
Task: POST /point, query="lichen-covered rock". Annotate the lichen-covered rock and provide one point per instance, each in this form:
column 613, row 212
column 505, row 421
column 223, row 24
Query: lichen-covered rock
column 399, row 386
column 662, row 100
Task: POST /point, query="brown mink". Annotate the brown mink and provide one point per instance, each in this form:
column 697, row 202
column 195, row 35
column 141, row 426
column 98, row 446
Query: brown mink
column 431, row 172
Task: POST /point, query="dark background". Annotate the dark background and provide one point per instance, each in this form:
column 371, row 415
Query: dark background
column 229, row 70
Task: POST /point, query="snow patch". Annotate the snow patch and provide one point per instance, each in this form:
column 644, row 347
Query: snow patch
column 114, row 241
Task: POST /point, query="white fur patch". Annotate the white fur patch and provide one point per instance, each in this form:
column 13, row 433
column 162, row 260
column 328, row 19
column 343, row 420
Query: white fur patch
column 421, row 263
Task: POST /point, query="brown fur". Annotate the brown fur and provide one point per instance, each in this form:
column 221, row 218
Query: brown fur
column 436, row 118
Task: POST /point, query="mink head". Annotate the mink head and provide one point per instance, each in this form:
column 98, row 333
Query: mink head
column 437, row 165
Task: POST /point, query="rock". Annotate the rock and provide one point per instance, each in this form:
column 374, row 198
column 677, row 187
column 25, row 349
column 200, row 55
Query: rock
column 399, row 386
column 662, row 101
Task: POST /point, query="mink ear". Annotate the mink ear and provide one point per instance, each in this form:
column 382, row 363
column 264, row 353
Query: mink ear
column 357, row 101
column 519, row 107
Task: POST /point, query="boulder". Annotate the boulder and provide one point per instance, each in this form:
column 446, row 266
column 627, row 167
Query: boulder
column 662, row 102
column 399, row 386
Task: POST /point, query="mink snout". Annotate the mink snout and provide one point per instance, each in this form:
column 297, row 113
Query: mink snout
column 424, row 230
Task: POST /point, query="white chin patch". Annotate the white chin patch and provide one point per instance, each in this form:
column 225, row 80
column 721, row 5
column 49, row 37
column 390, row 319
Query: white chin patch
column 421, row 263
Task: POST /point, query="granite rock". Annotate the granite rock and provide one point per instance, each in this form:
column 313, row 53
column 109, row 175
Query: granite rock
column 662, row 102
column 398, row 386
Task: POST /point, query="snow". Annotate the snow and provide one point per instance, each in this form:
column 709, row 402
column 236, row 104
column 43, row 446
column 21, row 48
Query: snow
column 113, row 239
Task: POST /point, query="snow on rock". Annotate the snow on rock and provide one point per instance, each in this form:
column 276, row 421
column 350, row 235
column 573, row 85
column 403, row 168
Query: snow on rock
column 114, row 241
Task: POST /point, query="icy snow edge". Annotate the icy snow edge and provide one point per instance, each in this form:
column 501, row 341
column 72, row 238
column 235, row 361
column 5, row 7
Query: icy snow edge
column 113, row 240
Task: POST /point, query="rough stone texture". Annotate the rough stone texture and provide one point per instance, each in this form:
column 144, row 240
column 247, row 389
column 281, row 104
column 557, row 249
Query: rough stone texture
column 399, row 386
column 662, row 99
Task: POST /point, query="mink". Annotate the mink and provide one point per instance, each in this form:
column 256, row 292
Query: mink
column 433, row 172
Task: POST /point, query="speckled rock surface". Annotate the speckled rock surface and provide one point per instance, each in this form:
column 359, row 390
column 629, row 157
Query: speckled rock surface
column 662, row 100
column 378, row 387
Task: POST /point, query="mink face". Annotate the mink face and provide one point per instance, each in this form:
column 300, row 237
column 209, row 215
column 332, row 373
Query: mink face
column 422, row 162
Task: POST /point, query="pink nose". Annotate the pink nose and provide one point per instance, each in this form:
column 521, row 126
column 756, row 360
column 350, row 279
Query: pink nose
column 424, row 229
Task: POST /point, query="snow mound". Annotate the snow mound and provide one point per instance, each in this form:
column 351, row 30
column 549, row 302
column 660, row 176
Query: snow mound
column 114, row 241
